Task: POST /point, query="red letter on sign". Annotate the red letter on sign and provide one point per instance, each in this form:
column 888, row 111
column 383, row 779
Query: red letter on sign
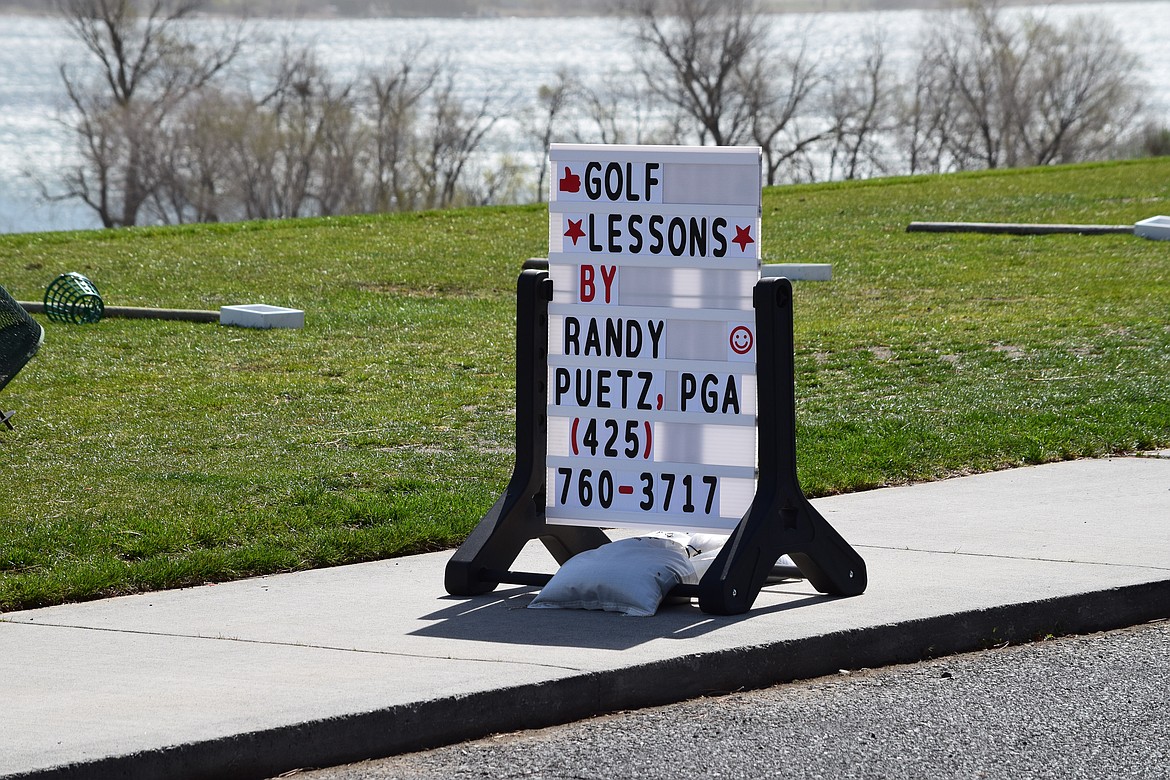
column 607, row 280
column 588, row 288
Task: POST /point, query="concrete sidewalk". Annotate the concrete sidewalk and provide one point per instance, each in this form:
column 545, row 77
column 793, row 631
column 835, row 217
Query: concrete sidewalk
column 254, row 678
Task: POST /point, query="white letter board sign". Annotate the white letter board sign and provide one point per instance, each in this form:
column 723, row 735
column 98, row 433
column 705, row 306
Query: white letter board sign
column 653, row 254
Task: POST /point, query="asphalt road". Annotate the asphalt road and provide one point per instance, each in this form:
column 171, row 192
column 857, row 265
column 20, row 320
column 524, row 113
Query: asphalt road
column 1078, row 707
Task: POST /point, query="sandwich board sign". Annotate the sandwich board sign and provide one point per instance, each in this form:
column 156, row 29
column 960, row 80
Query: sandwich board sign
column 655, row 380
column 653, row 255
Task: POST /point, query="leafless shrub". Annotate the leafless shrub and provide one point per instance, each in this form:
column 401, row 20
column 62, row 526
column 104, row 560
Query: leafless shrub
column 446, row 141
column 164, row 140
column 861, row 110
column 396, row 95
column 144, row 71
column 995, row 91
column 781, row 92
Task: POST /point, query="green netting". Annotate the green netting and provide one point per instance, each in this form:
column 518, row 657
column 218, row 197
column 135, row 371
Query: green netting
column 20, row 337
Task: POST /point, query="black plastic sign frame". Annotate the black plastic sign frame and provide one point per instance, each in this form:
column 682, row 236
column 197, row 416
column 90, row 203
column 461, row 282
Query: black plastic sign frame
column 779, row 521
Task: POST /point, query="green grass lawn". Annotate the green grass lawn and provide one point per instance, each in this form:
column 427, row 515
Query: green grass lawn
column 153, row 454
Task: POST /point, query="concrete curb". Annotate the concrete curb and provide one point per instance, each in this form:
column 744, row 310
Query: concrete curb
column 449, row 720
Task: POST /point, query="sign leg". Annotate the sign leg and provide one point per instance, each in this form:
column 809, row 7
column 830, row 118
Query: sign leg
column 483, row 560
column 780, row 519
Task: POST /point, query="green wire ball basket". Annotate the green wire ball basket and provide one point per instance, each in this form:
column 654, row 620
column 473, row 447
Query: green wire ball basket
column 73, row 298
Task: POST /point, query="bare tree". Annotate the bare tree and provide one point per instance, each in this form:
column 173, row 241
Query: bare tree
column 164, row 136
column 1085, row 94
column 619, row 110
column 977, row 62
column 295, row 150
column 552, row 101
column 1151, row 139
column 861, row 107
column 393, row 112
column 425, row 138
column 449, row 137
column 694, row 56
column 993, row 91
column 717, row 69
column 497, row 179
column 779, row 90
column 328, row 112
column 197, row 179
column 306, row 145
column 923, row 108
column 144, row 70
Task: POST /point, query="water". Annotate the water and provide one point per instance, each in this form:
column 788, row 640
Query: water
column 505, row 58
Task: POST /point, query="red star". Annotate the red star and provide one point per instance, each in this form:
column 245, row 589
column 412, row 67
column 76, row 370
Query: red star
column 743, row 237
column 574, row 232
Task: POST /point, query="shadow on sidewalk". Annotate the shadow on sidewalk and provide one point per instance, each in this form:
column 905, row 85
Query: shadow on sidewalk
column 501, row 616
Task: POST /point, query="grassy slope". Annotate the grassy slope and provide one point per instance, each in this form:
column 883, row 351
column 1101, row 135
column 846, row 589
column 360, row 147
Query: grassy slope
column 152, row 454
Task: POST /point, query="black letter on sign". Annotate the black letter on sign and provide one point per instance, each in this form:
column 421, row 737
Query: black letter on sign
column 572, row 334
